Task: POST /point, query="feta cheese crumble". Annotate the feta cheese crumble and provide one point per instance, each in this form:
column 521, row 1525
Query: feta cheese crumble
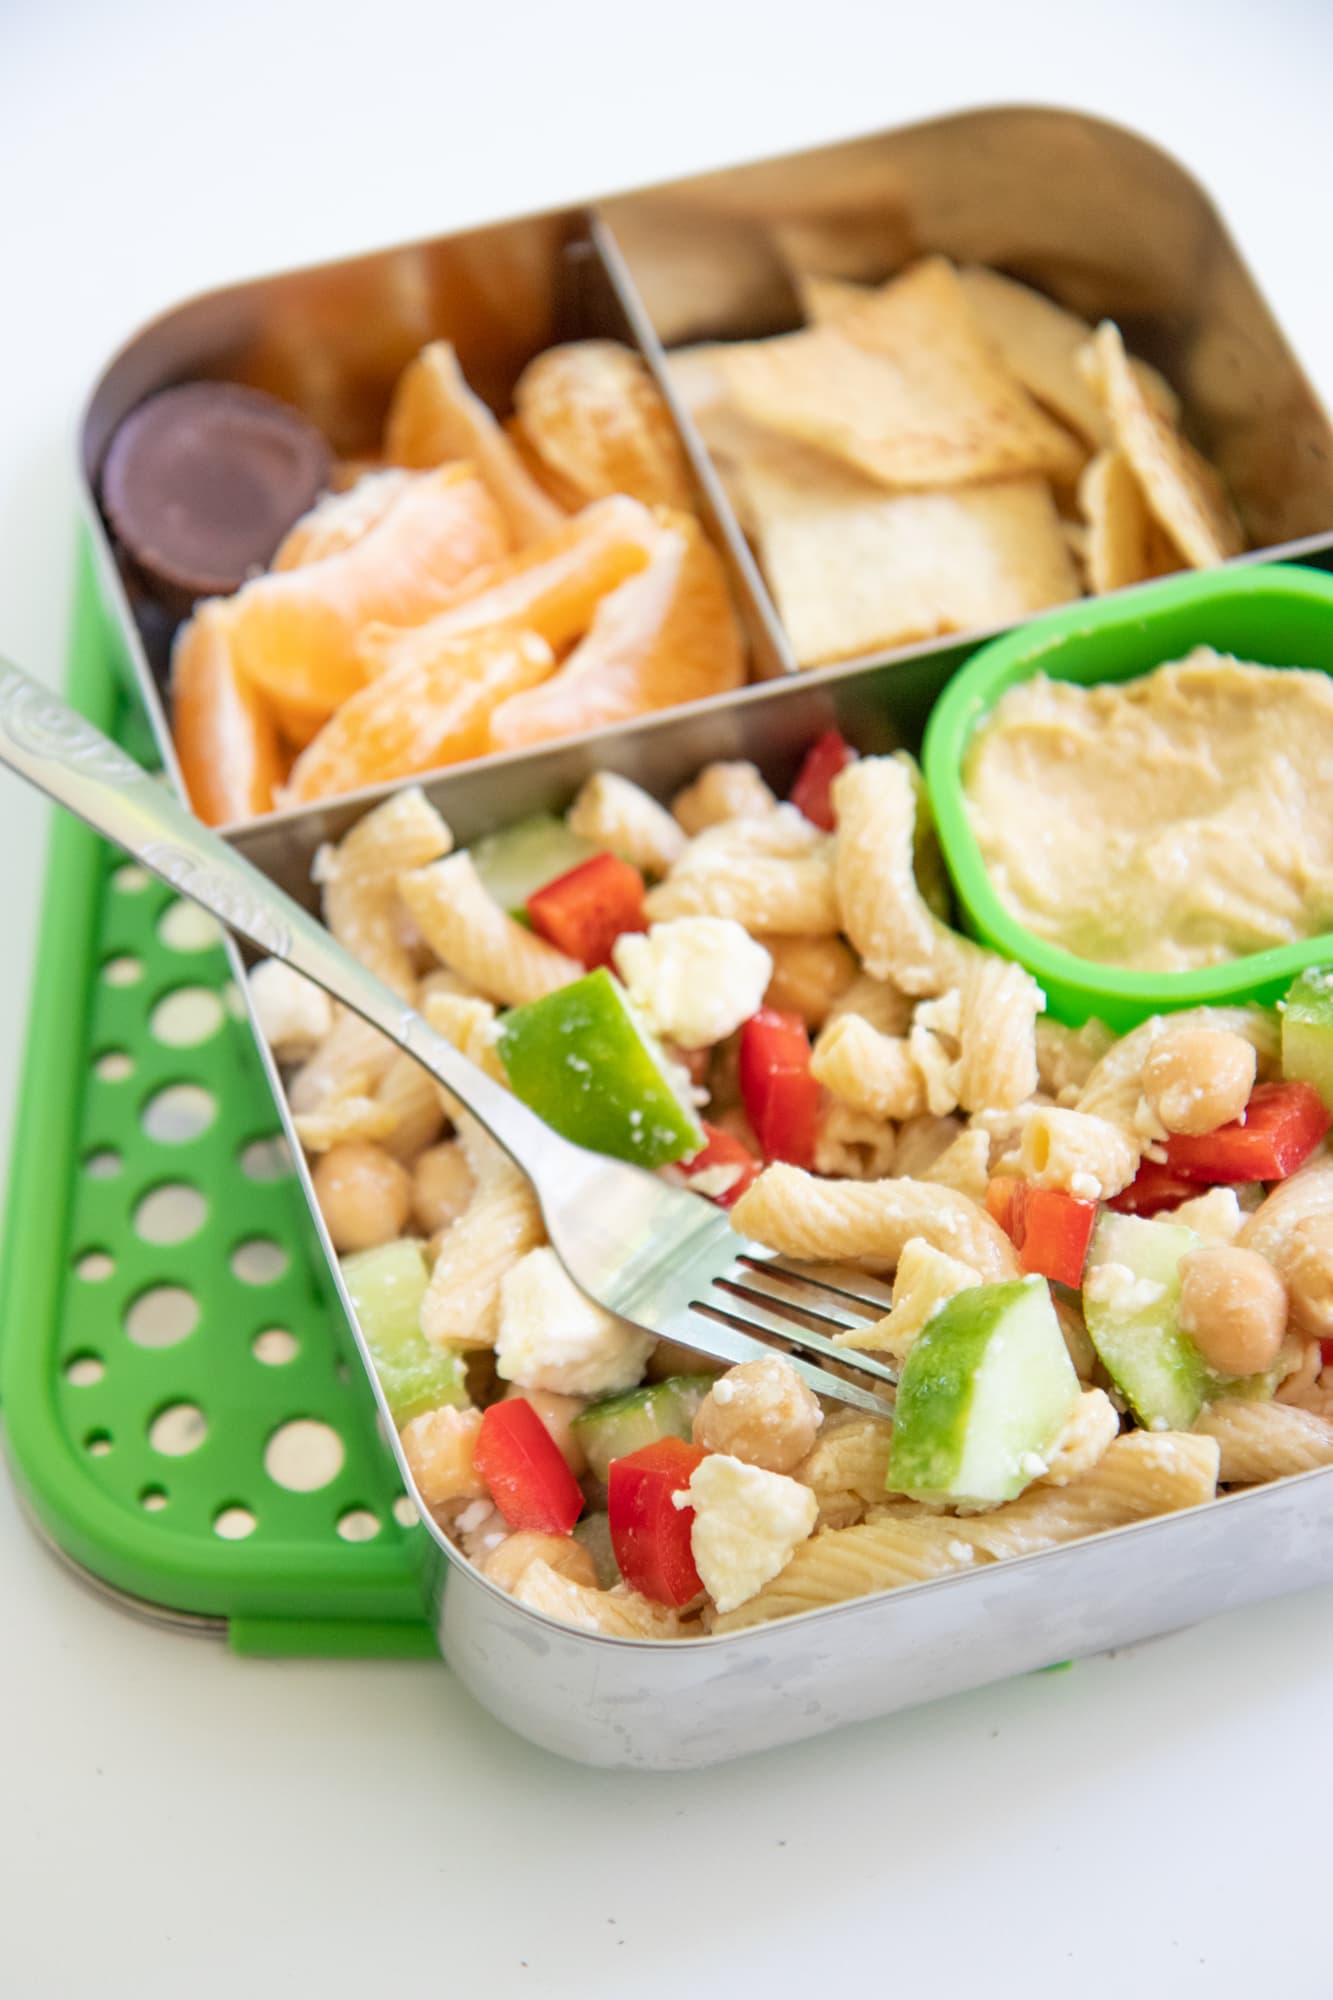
column 552, row 1337
column 695, row 979
column 293, row 1014
column 747, row 1522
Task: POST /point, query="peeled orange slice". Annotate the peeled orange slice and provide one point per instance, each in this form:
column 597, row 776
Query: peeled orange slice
column 225, row 738
column 294, row 634
column 552, row 587
column 434, row 416
column 423, row 713
column 340, row 519
column 668, row 635
column 592, row 412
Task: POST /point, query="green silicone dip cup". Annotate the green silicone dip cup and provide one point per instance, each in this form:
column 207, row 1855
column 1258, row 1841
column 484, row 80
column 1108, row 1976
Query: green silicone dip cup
column 1272, row 614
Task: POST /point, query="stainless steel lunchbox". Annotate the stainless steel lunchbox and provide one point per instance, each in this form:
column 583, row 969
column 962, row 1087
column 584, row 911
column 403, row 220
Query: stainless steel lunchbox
column 1104, row 222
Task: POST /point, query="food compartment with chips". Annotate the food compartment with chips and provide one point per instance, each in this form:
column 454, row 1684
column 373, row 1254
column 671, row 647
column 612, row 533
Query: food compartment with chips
column 953, row 376
column 380, row 518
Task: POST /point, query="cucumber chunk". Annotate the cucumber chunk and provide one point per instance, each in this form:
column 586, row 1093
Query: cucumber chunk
column 1307, row 1030
column 621, row 1424
column 526, row 856
column 983, row 1394
column 387, row 1286
column 1131, row 1295
column 584, row 1061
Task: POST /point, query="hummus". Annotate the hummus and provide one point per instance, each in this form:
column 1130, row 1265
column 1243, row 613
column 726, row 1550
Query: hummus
column 1166, row 823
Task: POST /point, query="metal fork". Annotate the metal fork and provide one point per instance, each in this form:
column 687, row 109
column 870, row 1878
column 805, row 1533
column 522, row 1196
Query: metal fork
column 644, row 1250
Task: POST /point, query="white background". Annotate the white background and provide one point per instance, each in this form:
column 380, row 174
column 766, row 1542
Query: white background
column 177, row 1822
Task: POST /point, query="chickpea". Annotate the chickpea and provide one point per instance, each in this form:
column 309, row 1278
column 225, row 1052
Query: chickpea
column 1199, row 1078
column 441, row 1186
column 558, row 1412
column 364, row 1195
column 1308, row 1268
column 761, row 1412
column 438, row 1446
column 1233, row 1305
column 517, row 1553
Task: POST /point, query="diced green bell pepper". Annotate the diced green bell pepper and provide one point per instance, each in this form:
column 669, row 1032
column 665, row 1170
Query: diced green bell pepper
column 584, row 1062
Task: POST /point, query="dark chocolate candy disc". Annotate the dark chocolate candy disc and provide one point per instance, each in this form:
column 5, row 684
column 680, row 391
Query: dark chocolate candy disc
column 201, row 483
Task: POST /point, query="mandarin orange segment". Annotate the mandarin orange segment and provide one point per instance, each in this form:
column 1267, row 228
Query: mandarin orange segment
column 592, row 412
column 552, row 587
column 340, row 519
column 563, row 491
column 226, row 741
column 428, row 710
column 434, row 416
column 666, row 636
column 294, row 635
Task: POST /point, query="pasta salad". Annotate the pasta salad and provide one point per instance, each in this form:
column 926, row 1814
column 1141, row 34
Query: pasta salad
column 1107, row 1264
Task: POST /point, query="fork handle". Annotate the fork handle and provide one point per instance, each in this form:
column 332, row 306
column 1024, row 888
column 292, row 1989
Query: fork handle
column 62, row 754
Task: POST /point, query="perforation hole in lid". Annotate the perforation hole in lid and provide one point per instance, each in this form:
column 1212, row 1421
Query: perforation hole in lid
column 179, row 1113
column 234, row 1523
column 304, row 1455
column 93, row 1266
column 274, row 1346
column 162, row 1316
column 187, row 1017
column 406, row 1512
column 185, row 927
column 114, row 1066
column 259, row 1261
column 84, row 1370
column 152, row 1499
column 129, row 879
column 170, row 1213
column 267, row 1159
column 358, row 1524
column 178, row 1429
column 97, row 1444
column 123, row 970
column 103, row 1165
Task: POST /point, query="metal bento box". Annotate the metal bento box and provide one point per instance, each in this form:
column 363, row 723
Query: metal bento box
column 1104, row 223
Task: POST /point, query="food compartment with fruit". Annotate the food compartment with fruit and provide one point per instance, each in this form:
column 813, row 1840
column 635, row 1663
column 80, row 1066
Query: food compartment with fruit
column 348, row 590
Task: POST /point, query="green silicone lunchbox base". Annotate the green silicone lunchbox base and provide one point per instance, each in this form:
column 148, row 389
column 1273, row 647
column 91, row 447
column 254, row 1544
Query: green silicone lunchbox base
column 1273, row 614
column 188, row 1524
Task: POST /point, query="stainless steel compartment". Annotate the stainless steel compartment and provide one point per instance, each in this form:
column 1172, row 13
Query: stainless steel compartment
column 1098, row 218
column 649, row 1705
column 1094, row 216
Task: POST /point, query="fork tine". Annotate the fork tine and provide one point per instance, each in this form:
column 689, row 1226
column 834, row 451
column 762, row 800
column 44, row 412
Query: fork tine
column 875, row 1294
column 727, row 1337
column 754, row 1311
column 786, row 1288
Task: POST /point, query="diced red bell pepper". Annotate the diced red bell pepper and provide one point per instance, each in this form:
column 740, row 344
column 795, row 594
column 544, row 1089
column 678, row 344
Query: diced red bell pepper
column 1154, row 1188
column 1276, row 1133
column 780, row 1095
column 649, row 1533
column 525, row 1471
column 585, row 911
column 724, row 1150
column 1050, row 1230
column 810, row 793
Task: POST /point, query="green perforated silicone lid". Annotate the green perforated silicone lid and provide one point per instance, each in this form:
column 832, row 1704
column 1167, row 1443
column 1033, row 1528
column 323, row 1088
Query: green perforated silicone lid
column 1277, row 615
column 177, row 1409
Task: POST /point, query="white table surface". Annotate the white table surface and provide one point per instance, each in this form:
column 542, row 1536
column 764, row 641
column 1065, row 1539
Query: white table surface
column 174, row 1821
